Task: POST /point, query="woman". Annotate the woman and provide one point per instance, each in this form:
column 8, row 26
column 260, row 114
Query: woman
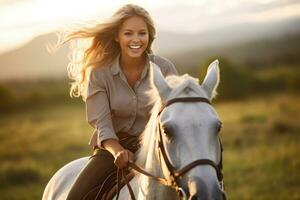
column 118, row 101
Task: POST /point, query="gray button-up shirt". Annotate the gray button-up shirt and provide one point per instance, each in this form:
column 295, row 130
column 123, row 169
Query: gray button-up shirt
column 113, row 106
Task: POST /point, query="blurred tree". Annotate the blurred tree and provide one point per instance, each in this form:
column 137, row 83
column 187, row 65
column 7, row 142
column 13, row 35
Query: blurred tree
column 7, row 100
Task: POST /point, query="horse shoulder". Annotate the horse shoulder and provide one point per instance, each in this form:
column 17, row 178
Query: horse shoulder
column 60, row 184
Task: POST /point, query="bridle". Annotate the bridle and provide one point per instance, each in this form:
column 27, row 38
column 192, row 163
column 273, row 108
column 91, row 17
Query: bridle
column 174, row 175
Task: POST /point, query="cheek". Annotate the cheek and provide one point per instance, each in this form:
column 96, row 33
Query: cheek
column 173, row 151
column 122, row 39
column 146, row 39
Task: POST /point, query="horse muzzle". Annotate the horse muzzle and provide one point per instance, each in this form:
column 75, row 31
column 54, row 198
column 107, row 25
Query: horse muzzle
column 198, row 189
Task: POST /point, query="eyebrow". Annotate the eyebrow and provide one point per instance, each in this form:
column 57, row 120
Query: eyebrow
column 132, row 30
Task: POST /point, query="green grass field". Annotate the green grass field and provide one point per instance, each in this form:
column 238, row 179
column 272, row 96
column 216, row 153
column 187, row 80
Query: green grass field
column 261, row 139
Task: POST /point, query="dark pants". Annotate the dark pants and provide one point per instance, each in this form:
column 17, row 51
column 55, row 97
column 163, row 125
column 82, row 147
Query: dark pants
column 99, row 166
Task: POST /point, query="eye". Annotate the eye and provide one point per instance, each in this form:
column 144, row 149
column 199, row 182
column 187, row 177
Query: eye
column 143, row 33
column 167, row 131
column 127, row 33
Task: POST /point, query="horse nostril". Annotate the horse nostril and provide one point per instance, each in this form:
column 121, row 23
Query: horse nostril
column 194, row 197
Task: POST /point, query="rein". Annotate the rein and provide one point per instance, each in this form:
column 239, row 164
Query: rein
column 174, row 175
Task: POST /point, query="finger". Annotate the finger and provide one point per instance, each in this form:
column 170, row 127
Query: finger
column 119, row 162
column 126, row 158
column 131, row 156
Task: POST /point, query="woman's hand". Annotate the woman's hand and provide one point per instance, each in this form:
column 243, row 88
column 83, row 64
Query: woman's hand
column 122, row 158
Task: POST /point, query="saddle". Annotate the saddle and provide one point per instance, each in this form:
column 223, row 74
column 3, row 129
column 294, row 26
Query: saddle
column 110, row 187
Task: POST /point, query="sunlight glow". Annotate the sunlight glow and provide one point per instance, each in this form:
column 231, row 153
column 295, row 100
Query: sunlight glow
column 276, row 13
column 21, row 21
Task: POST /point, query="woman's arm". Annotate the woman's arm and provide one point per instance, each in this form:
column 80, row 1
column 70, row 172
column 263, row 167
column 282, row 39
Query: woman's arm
column 99, row 116
column 98, row 107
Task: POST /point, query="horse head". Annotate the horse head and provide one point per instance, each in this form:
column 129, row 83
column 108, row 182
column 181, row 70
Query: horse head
column 188, row 146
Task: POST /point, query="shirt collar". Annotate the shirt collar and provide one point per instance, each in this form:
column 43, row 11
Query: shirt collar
column 116, row 68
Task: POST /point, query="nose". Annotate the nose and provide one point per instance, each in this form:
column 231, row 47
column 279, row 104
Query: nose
column 136, row 38
column 201, row 190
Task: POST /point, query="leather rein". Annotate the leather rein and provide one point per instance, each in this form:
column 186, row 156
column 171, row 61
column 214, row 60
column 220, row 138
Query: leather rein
column 175, row 175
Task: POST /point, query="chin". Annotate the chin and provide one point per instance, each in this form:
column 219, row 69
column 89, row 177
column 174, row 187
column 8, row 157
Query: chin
column 135, row 55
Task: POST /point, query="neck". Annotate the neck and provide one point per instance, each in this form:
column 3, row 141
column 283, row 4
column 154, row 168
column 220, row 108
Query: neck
column 129, row 63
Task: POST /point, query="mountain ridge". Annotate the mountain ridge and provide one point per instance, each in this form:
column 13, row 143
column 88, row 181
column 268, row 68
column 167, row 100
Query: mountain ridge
column 32, row 61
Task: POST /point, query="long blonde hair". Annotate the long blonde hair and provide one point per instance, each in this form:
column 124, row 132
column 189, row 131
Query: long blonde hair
column 96, row 46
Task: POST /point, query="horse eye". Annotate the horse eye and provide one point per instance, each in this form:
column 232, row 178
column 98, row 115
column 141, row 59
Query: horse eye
column 167, row 131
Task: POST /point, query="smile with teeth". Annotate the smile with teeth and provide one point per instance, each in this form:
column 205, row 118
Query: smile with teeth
column 135, row 46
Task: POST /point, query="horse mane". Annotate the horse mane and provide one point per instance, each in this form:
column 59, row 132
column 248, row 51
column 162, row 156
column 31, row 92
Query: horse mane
column 178, row 84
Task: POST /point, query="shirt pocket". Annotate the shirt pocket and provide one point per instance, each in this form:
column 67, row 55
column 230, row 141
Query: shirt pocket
column 122, row 104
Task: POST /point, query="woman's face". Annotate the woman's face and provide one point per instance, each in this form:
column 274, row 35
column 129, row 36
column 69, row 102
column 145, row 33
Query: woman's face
column 133, row 37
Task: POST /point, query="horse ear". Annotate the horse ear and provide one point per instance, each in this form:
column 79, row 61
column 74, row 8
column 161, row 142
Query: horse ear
column 212, row 79
column 159, row 82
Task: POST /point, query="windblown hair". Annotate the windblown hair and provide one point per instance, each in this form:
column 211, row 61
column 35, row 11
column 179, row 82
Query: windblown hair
column 96, row 46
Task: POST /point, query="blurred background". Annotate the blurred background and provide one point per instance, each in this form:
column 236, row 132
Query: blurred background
column 257, row 43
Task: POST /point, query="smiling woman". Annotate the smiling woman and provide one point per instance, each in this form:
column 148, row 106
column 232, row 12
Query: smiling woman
column 111, row 73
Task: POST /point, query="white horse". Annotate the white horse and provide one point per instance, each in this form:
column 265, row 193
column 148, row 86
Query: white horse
column 187, row 131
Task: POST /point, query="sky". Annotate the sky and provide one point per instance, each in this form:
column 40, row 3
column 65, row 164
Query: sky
column 23, row 20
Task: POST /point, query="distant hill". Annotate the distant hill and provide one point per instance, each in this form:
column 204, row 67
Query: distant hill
column 251, row 44
column 33, row 61
column 170, row 43
column 272, row 52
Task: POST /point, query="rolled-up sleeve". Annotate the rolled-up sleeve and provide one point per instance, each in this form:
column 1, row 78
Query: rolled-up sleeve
column 98, row 109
